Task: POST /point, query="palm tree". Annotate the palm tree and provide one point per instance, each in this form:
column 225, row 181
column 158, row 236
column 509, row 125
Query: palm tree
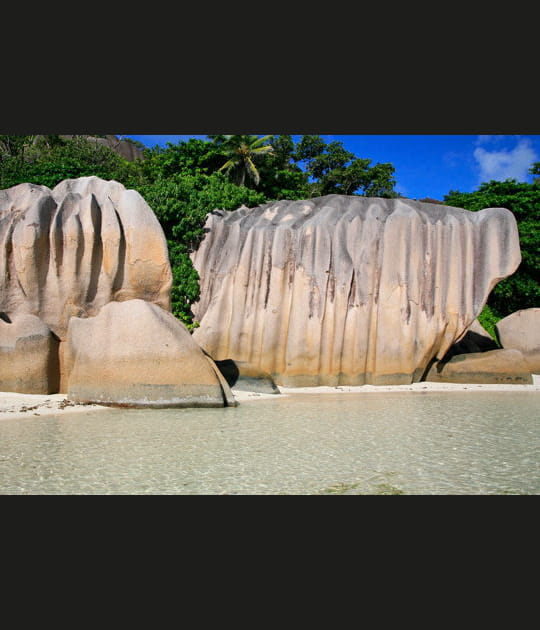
column 242, row 152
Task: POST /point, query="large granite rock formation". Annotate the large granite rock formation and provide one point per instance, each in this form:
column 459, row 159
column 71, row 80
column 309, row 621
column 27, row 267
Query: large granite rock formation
column 521, row 331
column 71, row 250
column 136, row 354
column 347, row 290
column 28, row 356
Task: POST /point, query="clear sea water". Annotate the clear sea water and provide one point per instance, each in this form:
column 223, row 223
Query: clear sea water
column 388, row 443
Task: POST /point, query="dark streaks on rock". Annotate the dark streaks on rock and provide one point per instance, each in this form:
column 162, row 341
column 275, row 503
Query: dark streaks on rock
column 356, row 290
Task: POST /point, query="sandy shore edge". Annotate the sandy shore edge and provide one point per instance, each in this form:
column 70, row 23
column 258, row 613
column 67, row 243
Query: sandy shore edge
column 14, row 405
column 379, row 389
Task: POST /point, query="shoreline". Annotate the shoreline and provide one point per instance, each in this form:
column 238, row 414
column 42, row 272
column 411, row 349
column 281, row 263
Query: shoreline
column 14, row 405
column 422, row 387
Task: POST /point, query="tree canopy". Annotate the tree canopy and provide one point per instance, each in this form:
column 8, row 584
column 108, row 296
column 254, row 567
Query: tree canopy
column 334, row 170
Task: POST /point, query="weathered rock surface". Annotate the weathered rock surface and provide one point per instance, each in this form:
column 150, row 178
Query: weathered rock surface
column 71, row 250
column 521, row 331
column 347, row 290
column 504, row 367
column 134, row 353
column 28, row 356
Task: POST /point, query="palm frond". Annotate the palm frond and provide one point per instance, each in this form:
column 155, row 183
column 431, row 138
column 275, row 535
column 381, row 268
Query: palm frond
column 253, row 170
column 228, row 165
column 256, row 143
column 263, row 150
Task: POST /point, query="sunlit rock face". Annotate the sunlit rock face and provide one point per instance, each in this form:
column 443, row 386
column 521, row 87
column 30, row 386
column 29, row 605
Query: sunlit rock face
column 347, row 290
column 136, row 354
column 521, row 331
column 28, row 356
column 69, row 251
column 503, row 367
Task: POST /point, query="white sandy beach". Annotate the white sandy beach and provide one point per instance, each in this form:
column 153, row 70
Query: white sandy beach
column 14, row 405
column 378, row 389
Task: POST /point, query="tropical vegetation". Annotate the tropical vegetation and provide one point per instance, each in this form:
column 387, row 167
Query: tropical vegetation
column 185, row 181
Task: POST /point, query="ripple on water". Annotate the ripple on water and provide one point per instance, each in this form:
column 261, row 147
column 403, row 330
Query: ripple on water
column 398, row 443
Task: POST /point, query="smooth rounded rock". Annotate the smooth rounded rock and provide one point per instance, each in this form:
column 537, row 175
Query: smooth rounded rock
column 505, row 367
column 28, row 355
column 521, row 331
column 136, row 354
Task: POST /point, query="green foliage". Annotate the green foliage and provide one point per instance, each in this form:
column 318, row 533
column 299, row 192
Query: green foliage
column 242, row 153
column 193, row 157
column 522, row 289
column 284, row 184
column 48, row 160
column 334, row 170
column 12, row 145
column 181, row 204
column 185, row 288
column 281, row 177
column 488, row 319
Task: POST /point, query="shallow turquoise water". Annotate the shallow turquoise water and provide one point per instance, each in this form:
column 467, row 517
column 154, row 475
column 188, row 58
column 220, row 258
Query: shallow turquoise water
column 388, row 443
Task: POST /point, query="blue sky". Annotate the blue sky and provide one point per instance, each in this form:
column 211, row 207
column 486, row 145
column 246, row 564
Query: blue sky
column 430, row 165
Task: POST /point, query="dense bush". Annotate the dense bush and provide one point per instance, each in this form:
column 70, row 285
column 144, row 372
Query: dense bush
column 48, row 160
column 181, row 204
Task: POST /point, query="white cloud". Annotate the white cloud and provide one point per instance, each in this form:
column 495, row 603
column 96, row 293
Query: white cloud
column 507, row 163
